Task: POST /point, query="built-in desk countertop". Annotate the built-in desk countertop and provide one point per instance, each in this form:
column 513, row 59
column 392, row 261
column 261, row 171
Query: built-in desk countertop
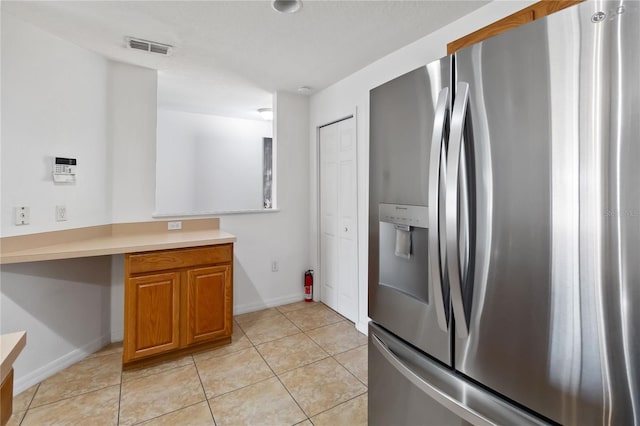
column 211, row 307
column 10, row 347
column 111, row 239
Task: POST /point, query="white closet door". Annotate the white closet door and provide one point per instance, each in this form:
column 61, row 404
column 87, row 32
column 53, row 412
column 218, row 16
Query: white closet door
column 338, row 211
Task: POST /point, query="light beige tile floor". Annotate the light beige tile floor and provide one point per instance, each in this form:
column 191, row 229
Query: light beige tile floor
column 297, row 364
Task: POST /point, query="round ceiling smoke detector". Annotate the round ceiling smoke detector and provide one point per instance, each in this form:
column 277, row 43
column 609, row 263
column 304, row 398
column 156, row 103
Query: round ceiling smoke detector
column 286, row 6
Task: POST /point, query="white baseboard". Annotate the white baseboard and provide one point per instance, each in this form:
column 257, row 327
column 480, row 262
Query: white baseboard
column 268, row 303
column 48, row 370
column 363, row 327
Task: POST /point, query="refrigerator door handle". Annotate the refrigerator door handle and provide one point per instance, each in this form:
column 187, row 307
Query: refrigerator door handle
column 458, row 117
column 446, row 400
column 437, row 383
column 436, row 166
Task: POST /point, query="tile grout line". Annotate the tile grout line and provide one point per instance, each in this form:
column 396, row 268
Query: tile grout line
column 237, row 389
column 315, row 304
column 120, row 397
column 253, row 346
column 349, row 350
column 274, row 373
column 273, row 340
column 318, row 343
column 351, row 372
column 316, row 362
column 29, row 404
column 204, row 391
column 181, row 408
column 342, row 403
column 156, row 373
column 83, row 392
column 326, row 325
column 285, row 387
column 251, row 322
column 166, row 414
column 73, row 396
column 235, row 351
column 345, row 367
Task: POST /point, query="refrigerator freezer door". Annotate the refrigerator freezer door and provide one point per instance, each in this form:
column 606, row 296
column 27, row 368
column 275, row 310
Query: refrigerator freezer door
column 401, row 294
column 407, row 388
column 555, row 112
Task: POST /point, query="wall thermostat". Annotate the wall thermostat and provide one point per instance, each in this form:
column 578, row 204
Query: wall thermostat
column 64, row 170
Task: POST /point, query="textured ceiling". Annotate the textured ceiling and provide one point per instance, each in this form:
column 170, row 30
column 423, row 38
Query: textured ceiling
column 230, row 56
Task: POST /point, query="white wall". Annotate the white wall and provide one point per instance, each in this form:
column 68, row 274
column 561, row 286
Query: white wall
column 132, row 137
column 175, row 189
column 352, row 93
column 282, row 235
column 207, row 163
column 63, row 305
column 132, row 109
column 54, row 103
column 54, row 98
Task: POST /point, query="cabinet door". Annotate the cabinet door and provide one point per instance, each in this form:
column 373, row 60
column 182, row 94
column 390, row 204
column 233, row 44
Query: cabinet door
column 208, row 304
column 152, row 314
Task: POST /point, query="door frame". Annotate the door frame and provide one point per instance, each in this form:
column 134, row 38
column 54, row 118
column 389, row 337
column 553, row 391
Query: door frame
column 317, row 294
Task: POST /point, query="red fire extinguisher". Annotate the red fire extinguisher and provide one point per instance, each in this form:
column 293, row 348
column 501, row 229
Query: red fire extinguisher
column 308, row 286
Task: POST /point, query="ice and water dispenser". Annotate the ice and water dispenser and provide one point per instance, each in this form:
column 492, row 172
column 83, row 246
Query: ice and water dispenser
column 404, row 264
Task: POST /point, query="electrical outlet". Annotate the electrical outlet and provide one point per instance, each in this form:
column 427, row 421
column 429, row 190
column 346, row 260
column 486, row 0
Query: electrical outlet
column 61, row 213
column 275, row 267
column 22, row 215
column 172, row 226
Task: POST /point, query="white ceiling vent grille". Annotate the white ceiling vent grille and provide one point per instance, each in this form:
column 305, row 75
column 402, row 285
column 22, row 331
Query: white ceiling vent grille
column 148, row 46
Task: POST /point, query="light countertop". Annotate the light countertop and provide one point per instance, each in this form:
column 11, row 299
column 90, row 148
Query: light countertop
column 10, row 347
column 118, row 242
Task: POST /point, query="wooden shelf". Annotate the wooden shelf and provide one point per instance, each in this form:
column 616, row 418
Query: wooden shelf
column 524, row 16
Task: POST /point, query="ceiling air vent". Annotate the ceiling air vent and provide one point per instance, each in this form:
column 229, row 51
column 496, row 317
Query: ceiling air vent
column 148, row 46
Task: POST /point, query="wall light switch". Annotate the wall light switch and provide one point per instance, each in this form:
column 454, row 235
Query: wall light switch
column 22, row 215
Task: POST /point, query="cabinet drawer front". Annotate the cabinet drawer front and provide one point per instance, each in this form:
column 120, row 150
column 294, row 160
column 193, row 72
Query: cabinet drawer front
column 179, row 258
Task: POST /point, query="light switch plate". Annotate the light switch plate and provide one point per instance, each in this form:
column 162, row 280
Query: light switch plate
column 172, row 226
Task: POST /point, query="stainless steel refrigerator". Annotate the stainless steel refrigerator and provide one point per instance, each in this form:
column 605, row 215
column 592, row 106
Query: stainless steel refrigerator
column 504, row 229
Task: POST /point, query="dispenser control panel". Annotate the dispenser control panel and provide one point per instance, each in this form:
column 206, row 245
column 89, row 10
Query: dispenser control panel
column 402, row 214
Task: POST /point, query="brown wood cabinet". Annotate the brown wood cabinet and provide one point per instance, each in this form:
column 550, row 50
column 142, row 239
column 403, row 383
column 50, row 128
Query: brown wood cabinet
column 177, row 301
column 535, row 11
column 208, row 294
column 153, row 315
column 6, row 398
